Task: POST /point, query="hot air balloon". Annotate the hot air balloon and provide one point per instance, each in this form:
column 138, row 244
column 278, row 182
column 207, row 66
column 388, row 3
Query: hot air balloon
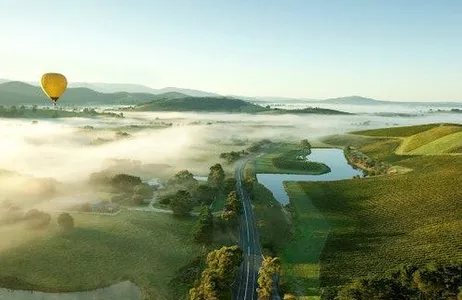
column 53, row 85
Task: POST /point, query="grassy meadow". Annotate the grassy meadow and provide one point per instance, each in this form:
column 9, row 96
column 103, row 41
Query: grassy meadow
column 280, row 159
column 146, row 248
column 358, row 227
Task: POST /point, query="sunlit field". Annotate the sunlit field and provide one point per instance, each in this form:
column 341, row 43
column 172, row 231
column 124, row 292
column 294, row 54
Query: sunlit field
column 360, row 227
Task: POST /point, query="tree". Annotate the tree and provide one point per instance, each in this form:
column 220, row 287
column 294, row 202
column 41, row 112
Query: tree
column 216, row 176
column 65, row 221
column 184, row 178
column 203, row 230
column 229, row 185
column 232, row 209
column 233, row 203
column 305, row 144
column 125, row 182
column 183, row 175
column 216, row 279
column 37, row 219
column 137, row 199
column 204, row 193
column 269, row 268
column 181, row 203
column 144, row 190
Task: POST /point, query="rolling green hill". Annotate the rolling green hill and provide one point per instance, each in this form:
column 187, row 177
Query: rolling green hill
column 416, row 141
column 402, row 131
column 19, row 93
column 222, row 104
column 429, row 139
column 208, row 104
column 310, row 110
column 451, row 143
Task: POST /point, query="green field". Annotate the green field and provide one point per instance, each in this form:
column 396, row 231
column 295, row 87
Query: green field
column 267, row 163
column 403, row 131
column 430, row 139
column 378, row 223
column 146, row 248
column 421, row 139
column 447, row 144
column 300, row 257
column 369, row 226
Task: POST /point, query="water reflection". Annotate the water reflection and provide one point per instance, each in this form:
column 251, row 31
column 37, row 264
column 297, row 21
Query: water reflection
column 334, row 158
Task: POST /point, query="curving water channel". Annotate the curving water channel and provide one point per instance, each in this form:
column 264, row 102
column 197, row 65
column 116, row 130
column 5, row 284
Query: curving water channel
column 334, row 158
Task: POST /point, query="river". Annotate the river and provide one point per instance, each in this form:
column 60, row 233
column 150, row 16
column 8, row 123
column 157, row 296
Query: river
column 334, row 158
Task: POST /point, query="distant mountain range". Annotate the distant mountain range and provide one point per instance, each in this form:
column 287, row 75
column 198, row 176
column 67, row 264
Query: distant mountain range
column 109, row 88
column 20, row 93
column 81, row 93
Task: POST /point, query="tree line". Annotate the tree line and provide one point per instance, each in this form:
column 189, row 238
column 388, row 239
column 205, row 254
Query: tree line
column 14, row 111
column 129, row 189
column 34, row 219
column 408, row 282
column 370, row 166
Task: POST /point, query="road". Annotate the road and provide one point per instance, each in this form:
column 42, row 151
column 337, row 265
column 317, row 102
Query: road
column 245, row 286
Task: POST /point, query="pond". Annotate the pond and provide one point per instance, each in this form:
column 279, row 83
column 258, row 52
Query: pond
column 334, row 158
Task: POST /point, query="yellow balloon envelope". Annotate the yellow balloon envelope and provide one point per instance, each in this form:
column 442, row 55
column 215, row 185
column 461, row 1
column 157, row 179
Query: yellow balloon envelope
column 53, row 85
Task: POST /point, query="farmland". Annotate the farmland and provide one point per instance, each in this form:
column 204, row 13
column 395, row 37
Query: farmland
column 403, row 131
column 371, row 225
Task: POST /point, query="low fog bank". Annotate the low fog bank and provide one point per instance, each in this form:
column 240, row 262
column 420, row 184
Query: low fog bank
column 55, row 158
column 61, row 149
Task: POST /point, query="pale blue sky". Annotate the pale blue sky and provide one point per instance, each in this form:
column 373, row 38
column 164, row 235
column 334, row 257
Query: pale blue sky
column 386, row 49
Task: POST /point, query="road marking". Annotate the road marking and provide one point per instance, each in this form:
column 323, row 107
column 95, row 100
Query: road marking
column 247, row 281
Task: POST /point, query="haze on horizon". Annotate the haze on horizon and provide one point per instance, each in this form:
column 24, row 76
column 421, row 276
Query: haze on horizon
column 388, row 50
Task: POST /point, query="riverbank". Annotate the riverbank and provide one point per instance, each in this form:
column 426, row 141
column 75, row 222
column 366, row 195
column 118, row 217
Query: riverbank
column 289, row 158
column 333, row 158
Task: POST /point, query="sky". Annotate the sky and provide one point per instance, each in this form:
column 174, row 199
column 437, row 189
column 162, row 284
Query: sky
column 385, row 49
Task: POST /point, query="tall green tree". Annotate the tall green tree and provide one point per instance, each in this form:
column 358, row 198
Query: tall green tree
column 305, row 144
column 269, row 268
column 229, row 185
column 203, row 229
column 216, row 176
column 232, row 208
column 216, row 279
column 181, row 203
column 204, row 194
column 65, row 221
